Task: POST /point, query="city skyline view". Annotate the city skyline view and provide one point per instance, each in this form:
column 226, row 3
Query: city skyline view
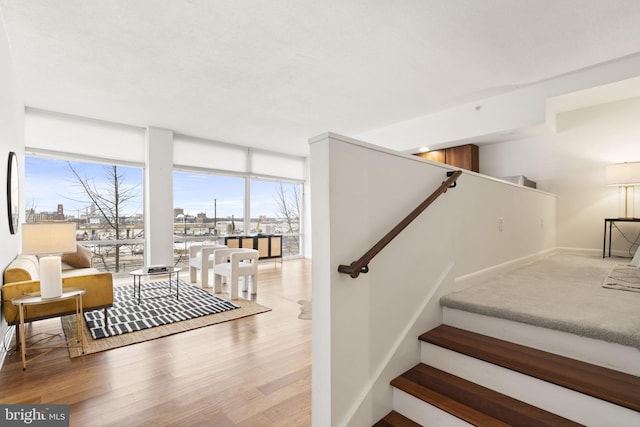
column 50, row 182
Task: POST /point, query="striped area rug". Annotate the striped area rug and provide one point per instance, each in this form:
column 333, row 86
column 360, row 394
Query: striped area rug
column 158, row 307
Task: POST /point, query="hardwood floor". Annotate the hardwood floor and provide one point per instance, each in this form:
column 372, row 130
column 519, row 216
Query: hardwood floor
column 254, row 371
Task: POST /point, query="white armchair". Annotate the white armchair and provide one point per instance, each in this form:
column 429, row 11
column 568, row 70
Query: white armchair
column 233, row 264
column 201, row 259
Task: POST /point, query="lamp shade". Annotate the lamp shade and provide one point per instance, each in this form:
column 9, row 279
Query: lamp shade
column 624, row 174
column 48, row 238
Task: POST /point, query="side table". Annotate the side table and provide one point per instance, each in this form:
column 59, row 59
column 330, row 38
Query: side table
column 35, row 298
column 610, row 222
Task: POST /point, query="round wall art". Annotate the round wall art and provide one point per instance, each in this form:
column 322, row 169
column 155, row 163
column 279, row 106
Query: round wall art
column 13, row 193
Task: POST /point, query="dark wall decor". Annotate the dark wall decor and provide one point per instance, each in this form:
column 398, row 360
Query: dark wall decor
column 13, row 193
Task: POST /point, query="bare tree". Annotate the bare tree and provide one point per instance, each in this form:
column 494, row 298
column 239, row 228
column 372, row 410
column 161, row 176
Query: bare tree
column 108, row 200
column 288, row 206
column 30, row 212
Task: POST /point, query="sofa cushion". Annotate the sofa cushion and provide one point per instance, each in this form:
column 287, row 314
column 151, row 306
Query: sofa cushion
column 81, row 258
column 23, row 267
column 65, row 267
column 75, row 272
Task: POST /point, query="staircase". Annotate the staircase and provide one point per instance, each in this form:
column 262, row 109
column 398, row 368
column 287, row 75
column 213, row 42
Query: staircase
column 466, row 378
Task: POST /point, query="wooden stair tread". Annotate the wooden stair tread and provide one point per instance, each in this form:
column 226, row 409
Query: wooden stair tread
column 394, row 419
column 471, row 402
column 603, row 383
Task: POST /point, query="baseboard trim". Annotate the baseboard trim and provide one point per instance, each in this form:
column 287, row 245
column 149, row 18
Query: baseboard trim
column 597, row 252
column 11, row 330
column 464, row 281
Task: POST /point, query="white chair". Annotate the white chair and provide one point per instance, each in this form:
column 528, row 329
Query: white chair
column 233, row 264
column 201, row 259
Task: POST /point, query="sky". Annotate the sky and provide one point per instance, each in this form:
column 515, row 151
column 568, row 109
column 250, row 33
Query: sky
column 49, row 182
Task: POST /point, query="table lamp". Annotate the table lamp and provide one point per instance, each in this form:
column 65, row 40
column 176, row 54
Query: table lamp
column 626, row 175
column 48, row 241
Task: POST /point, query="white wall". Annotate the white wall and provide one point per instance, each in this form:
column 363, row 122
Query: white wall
column 365, row 330
column 572, row 165
column 11, row 139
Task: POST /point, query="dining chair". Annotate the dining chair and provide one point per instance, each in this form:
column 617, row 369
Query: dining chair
column 201, row 259
column 232, row 264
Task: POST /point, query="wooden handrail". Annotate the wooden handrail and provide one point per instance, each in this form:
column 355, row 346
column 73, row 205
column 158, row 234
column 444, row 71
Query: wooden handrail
column 362, row 265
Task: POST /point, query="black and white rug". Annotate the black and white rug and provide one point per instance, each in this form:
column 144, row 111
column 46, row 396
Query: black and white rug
column 157, row 307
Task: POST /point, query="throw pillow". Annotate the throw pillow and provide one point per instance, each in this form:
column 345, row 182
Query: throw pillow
column 81, row 258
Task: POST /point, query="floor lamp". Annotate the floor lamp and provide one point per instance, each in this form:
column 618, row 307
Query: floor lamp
column 625, row 175
column 48, row 241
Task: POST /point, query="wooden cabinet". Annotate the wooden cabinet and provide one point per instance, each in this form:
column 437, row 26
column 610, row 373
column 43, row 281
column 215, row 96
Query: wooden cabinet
column 435, row 156
column 462, row 156
column 267, row 246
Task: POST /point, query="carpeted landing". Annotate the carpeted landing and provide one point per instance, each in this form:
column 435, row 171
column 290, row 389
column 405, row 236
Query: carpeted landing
column 563, row 291
column 158, row 314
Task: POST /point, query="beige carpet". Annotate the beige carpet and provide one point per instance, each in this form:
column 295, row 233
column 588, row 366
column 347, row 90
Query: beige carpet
column 564, row 292
column 247, row 308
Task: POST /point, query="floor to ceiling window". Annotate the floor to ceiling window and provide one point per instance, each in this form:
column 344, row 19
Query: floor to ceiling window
column 206, row 206
column 276, row 208
column 75, row 165
column 255, row 193
column 105, row 201
column 210, row 207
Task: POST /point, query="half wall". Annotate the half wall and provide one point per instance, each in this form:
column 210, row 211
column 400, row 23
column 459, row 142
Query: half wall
column 365, row 330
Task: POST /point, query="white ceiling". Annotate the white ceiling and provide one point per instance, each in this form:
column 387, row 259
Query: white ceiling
column 271, row 74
